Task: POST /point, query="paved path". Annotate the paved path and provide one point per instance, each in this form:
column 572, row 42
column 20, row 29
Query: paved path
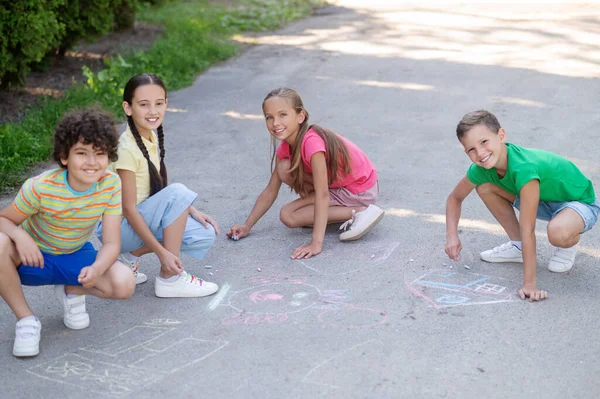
column 382, row 317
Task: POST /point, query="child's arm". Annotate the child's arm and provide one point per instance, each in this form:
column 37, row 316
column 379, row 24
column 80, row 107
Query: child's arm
column 263, row 203
column 321, row 185
column 28, row 250
column 170, row 261
column 108, row 253
column 204, row 219
column 453, row 208
column 530, row 197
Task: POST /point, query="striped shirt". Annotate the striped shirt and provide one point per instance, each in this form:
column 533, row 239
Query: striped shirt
column 61, row 220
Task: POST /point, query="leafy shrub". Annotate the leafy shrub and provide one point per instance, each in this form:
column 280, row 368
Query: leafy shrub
column 29, row 29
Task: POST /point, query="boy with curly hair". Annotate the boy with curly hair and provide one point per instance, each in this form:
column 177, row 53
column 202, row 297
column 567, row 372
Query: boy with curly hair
column 44, row 233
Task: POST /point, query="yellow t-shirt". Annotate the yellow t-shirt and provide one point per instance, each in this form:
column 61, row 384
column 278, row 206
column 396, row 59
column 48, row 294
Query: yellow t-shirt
column 131, row 158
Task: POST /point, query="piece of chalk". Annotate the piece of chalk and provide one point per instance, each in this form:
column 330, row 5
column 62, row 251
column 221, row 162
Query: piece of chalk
column 451, row 267
column 235, row 238
column 411, row 260
column 372, row 256
column 208, row 267
column 467, row 267
column 258, row 269
column 210, row 273
column 79, row 280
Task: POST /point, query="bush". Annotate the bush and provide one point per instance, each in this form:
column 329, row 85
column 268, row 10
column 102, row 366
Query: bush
column 29, row 29
column 85, row 19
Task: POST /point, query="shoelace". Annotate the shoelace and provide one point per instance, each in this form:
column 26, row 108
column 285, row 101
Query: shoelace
column 191, row 279
column 27, row 330
column 348, row 223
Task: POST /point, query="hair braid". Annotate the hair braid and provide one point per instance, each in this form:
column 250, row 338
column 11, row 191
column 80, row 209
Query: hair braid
column 156, row 181
column 161, row 146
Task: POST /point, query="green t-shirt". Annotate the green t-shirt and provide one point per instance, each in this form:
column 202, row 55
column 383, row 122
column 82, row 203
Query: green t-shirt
column 560, row 180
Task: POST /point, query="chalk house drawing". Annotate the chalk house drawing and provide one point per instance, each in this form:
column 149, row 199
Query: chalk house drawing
column 445, row 288
column 129, row 361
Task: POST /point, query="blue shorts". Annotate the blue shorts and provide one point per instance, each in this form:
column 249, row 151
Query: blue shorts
column 547, row 210
column 59, row 269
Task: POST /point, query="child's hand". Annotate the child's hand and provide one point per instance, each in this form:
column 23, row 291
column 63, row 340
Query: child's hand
column 453, row 248
column 238, row 231
column 88, row 276
column 306, row 251
column 28, row 250
column 170, row 263
column 528, row 291
column 205, row 220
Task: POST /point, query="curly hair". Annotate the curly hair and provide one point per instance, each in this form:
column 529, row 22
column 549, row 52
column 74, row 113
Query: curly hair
column 89, row 126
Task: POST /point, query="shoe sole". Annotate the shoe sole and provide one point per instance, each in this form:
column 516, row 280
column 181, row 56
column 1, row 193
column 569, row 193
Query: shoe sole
column 560, row 271
column 502, row 260
column 24, row 353
column 365, row 231
column 139, row 281
column 77, row 326
column 166, row 295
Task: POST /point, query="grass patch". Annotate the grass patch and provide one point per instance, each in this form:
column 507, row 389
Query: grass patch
column 197, row 35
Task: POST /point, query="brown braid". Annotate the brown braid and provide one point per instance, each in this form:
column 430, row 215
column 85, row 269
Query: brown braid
column 161, row 146
column 156, row 181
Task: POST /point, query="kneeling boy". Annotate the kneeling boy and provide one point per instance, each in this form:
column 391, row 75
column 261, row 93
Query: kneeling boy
column 540, row 184
column 57, row 212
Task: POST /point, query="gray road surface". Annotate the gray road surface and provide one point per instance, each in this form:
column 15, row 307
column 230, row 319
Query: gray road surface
column 381, row 317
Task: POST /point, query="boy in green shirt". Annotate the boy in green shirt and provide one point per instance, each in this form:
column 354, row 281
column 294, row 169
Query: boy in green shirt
column 542, row 185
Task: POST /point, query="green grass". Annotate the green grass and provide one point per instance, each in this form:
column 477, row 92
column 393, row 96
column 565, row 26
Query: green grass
column 197, row 35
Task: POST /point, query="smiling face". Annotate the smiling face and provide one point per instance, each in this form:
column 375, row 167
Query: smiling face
column 147, row 108
column 86, row 164
column 283, row 122
column 486, row 148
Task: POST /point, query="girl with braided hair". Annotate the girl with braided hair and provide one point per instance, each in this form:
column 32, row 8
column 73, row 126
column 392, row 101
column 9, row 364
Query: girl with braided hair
column 158, row 217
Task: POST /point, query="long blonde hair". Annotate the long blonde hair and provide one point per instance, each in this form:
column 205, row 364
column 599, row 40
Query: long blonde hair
column 336, row 149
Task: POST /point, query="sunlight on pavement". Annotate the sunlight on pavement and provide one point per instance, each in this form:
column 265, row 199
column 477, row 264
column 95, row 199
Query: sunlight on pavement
column 558, row 38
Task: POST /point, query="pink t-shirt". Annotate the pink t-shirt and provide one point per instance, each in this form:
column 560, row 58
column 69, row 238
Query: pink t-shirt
column 363, row 176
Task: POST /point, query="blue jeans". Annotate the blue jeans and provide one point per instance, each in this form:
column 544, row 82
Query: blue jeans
column 159, row 211
column 547, row 210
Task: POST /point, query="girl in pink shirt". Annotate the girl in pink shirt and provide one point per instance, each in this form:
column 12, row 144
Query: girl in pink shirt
column 334, row 178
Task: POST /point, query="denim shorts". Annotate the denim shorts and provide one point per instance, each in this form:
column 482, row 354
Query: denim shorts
column 59, row 269
column 548, row 210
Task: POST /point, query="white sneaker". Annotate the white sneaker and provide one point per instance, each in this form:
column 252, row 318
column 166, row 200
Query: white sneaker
column 503, row 253
column 185, row 286
column 27, row 337
column 140, row 278
column 563, row 259
column 361, row 223
column 75, row 316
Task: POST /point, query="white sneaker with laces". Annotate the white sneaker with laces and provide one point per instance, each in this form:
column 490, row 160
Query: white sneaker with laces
column 75, row 316
column 563, row 259
column 27, row 337
column 361, row 223
column 186, row 286
column 140, row 277
column 503, row 253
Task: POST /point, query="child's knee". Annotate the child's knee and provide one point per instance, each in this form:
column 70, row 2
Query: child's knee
column 287, row 218
column 123, row 282
column 561, row 237
column 6, row 250
column 124, row 288
column 485, row 189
